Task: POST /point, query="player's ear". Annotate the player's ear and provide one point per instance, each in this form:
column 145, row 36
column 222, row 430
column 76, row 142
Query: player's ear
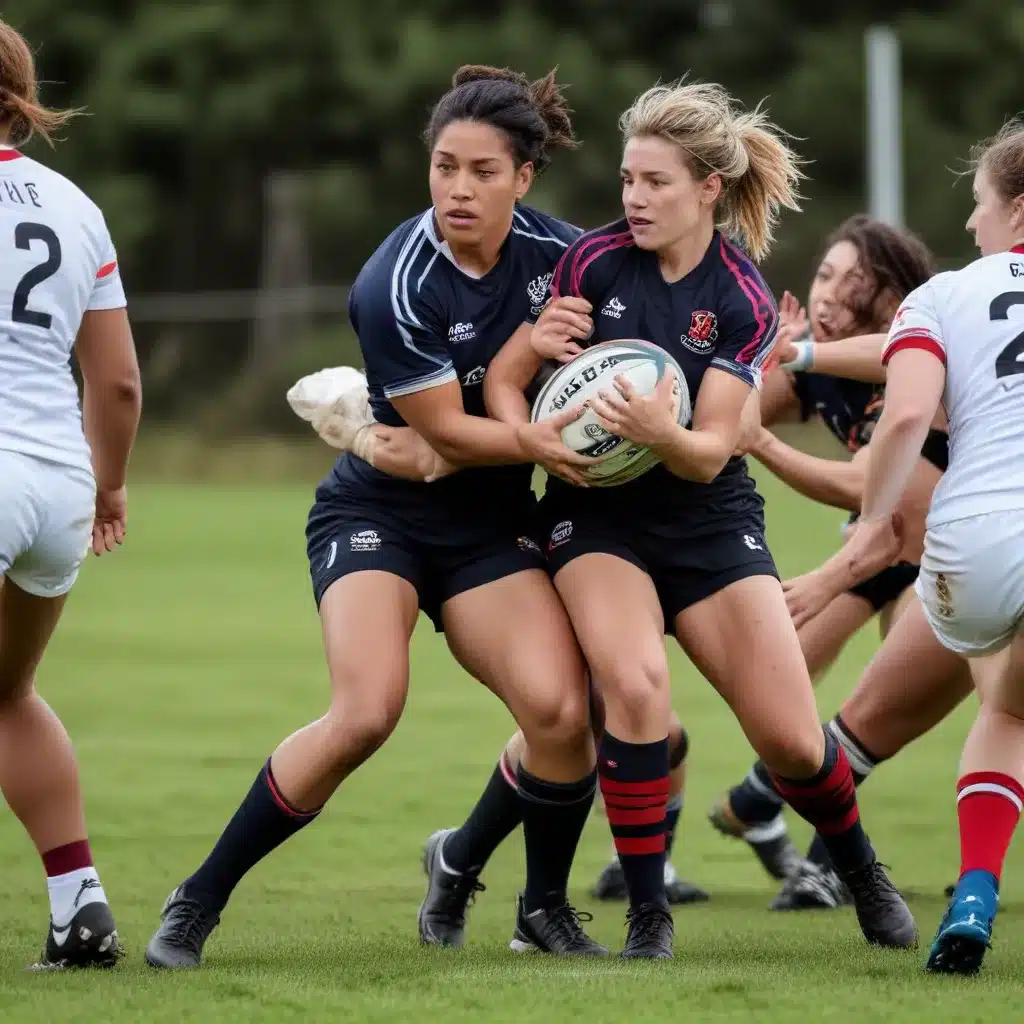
column 712, row 188
column 1017, row 213
column 524, row 179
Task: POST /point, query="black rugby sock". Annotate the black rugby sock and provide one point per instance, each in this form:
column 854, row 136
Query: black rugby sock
column 756, row 801
column 495, row 817
column 634, row 786
column 554, row 814
column 263, row 821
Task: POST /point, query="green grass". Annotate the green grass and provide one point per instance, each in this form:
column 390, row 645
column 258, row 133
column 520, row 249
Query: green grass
column 184, row 660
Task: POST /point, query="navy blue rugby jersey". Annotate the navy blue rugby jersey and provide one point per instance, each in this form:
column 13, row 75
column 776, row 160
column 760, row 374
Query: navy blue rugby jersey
column 422, row 322
column 721, row 315
column 849, row 408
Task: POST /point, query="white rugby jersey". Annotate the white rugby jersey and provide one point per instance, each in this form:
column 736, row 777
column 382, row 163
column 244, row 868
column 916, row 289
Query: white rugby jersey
column 973, row 320
column 56, row 262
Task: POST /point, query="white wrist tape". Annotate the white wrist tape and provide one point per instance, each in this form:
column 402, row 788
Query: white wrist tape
column 364, row 444
column 804, row 358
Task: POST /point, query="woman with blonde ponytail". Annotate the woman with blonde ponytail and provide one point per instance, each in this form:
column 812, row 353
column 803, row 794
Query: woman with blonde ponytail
column 682, row 549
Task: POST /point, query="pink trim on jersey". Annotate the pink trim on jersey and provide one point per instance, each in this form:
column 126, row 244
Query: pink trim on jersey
column 758, row 299
column 9, row 154
column 920, row 341
column 106, row 270
column 1018, row 249
column 584, row 255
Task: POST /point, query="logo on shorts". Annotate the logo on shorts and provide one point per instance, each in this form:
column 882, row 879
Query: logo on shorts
column 365, row 540
column 528, row 544
column 474, row 377
column 560, row 534
column 703, row 332
column 945, row 596
column 537, row 293
column 332, row 556
column 752, row 542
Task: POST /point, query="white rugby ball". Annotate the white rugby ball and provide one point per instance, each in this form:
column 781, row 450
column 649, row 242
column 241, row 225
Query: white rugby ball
column 594, row 370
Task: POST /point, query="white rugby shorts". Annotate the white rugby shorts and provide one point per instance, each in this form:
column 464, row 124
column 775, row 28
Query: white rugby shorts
column 971, row 583
column 46, row 518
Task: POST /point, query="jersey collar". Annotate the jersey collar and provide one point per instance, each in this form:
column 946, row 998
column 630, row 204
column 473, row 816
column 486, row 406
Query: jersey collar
column 1018, row 248
column 8, row 153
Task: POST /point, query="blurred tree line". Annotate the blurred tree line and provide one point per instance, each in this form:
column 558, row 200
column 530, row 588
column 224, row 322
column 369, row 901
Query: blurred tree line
column 193, row 106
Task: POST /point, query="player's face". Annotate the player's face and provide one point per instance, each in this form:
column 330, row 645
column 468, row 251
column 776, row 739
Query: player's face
column 996, row 224
column 838, row 278
column 664, row 202
column 474, row 183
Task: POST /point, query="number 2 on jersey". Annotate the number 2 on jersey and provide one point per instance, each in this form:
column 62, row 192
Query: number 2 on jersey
column 24, row 235
column 1008, row 362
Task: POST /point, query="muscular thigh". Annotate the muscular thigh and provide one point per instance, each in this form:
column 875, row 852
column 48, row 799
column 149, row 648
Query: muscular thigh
column 908, row 687
column 616, row 614
column 26, row 624
column 743, row 642
column 513, row 634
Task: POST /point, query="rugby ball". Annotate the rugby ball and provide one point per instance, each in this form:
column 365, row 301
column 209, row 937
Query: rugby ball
column 575, row 383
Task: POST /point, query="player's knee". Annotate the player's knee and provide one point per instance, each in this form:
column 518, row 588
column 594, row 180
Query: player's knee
column 558, row 717
column 358, row 727
column 637, row 689
column 797, row 755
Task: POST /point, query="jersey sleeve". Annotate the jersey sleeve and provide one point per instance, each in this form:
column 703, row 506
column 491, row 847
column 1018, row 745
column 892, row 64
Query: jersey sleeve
column 748, row 337
column 107, row 289
column 916, row 325
column 581, row 272
column 401, row 334
column 750, row 320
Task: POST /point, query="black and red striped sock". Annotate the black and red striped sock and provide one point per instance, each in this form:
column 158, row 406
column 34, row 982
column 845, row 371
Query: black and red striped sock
column 828, row 800
column 634, row 786
column 263, row 821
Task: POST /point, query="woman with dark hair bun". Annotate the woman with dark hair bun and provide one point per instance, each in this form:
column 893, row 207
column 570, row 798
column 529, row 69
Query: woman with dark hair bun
column 431, row 307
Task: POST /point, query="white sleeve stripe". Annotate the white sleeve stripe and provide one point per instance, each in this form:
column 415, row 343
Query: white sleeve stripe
column 405, row 317
column 745, row 372
column 445, row 375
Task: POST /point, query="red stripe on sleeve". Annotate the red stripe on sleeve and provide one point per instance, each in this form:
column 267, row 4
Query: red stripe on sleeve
column 106, row 270
column 920, row 341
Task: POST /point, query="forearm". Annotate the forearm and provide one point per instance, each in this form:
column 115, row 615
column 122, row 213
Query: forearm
column 826, row 481
column 400, row 452
column 478, row 441
column 698, row 455
column 110, row 422
column 857, row 358
column 507, row 403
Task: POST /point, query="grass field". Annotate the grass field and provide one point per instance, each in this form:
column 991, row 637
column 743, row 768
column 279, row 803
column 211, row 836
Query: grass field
column 183, row 660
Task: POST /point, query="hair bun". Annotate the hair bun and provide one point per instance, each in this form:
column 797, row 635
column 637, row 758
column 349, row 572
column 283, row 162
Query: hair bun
column 484, row 73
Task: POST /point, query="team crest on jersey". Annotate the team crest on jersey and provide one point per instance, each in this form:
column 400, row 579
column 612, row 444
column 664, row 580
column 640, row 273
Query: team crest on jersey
column 703, row 332
column 537, row 293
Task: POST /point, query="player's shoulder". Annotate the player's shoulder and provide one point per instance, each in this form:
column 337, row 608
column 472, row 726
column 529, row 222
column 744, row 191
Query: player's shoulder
column 72, row 197
column 542, row 228
column 743, row 294
column 401, row 272
column 594, row 259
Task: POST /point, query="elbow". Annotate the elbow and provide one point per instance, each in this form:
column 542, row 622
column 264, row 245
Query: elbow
column 124, row 392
